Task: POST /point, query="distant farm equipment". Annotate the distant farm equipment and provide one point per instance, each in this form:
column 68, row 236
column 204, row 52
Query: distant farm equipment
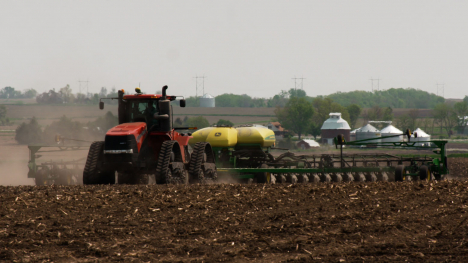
column 57, row 172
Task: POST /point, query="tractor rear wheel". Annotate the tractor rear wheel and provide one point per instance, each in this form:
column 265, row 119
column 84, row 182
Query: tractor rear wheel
column 91, row 173
column 399, row 173
column 170, row 168
column 202, row 168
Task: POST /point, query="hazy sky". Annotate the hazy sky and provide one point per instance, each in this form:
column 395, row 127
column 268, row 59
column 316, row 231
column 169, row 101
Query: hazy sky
column 252, row 47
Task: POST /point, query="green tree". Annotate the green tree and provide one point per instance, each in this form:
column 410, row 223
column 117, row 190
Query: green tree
column 102, row 124
column 3, row 115
column 465, row 99
column 200, row 122
column 279, row 100
column 299, row 93
column 461, row 109
column 296, row 115
column 222, row 122
column 446, row 117
column 30, row 93
column 394, row 98
column 67, row 94
column 388, row 114
column 178, row 122
column 315, row 129
column 354, row 111
column 404, row 121
column 28, row 133
column 66, row 127
column 323, row 108
column 7, row 93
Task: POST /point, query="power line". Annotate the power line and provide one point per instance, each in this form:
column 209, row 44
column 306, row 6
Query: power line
column 199, row 83
column 300, row 82
column 372, row 83
column 443, row 89
column 82, row 81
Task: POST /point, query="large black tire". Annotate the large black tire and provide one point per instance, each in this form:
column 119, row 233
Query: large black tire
column 170, row 168
column 399, row 173
column 425, row 173
column 91, row 173
column 202, row 155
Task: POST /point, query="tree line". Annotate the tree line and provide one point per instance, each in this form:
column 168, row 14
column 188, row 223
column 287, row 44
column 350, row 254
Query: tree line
column 304, row 117
column 32, row 132
column 65, row 96
column 12, row 93
column 394, row 98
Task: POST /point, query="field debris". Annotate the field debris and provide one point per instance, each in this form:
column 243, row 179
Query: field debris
column 347, row 222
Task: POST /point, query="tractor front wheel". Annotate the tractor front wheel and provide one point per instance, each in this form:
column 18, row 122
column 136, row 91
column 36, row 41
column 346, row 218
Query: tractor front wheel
column 92, row 173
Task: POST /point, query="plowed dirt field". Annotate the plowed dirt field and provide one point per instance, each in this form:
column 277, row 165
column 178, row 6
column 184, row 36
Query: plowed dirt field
column 384, row 221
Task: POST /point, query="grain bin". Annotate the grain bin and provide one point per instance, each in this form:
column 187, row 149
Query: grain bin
column 207, row 101
column 368, row 132
column 391, row 130
column 334, row 126
column 352, row 135
column 422, row 137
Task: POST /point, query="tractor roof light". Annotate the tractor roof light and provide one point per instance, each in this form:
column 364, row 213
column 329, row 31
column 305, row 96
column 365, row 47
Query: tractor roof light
column 138, row 90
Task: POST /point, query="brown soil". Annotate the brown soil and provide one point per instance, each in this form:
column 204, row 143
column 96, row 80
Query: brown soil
column 413, row 221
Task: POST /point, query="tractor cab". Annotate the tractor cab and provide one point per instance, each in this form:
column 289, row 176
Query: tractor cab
column 153, row 109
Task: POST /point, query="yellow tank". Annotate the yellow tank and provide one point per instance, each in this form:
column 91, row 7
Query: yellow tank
column 255, row 135
column 216, row 136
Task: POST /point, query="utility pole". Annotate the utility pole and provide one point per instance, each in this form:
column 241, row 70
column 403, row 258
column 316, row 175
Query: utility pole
column 298, row 81
column 82, row 81
column 197, row 83
column 443, row 89
column 372, row 83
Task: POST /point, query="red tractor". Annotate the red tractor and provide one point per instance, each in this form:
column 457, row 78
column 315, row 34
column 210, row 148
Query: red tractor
column 145, row 144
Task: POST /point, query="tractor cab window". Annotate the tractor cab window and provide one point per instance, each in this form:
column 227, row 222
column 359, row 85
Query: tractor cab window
column 143, row 111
